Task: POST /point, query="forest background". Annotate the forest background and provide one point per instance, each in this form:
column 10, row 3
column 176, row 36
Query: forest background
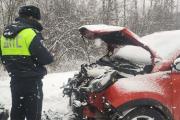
column 62, row 18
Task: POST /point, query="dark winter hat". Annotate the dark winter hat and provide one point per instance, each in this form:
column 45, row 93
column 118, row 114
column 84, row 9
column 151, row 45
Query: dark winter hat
column 30, row 10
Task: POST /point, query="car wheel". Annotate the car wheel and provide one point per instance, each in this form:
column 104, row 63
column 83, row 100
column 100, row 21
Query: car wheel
column 144, row 114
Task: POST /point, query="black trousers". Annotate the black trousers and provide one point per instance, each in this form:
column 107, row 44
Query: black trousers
column 27, row 99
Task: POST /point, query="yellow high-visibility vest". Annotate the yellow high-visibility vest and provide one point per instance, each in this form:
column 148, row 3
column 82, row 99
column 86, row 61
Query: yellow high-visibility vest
column 18, row 45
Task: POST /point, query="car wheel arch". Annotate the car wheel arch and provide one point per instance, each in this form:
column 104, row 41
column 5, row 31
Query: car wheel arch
column 146, row 103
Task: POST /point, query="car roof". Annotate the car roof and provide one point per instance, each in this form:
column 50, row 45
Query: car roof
column 165, row 43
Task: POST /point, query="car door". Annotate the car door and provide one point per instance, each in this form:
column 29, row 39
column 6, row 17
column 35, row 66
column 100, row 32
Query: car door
column 176, row 88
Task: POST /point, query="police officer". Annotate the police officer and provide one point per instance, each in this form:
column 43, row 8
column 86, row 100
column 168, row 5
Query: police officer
column 24, row 57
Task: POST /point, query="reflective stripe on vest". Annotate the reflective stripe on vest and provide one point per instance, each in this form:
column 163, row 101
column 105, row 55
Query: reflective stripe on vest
column 18, row 45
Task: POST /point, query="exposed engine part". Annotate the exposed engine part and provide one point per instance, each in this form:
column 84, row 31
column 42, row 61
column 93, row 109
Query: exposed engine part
column 95, row 78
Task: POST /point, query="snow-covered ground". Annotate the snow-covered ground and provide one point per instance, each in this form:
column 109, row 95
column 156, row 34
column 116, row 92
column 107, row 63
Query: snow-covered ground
column 53, row 103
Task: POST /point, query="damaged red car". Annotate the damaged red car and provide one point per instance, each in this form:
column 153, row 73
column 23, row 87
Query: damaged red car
column 137, row 79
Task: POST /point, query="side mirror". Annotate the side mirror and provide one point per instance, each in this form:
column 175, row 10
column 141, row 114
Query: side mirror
column 176, row 64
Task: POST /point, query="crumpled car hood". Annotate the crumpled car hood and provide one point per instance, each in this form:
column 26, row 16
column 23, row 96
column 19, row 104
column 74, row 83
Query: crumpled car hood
column 114, row 35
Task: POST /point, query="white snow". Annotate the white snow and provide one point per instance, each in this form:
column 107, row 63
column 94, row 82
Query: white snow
column 133, row 53
column 98, row 42
column 164, row 43
column 108, row 28
column 53, row 97
column 97, row 71
column 5, row 95
column 102, row 27
column 141, row 83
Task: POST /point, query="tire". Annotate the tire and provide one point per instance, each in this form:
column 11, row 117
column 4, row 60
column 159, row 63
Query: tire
column 144, row 113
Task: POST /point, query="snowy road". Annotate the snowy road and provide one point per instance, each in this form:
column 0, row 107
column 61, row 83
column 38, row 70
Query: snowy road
column 53, row 97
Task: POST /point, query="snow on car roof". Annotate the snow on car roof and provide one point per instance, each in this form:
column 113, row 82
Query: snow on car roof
column 102, row 27
column 165, row 43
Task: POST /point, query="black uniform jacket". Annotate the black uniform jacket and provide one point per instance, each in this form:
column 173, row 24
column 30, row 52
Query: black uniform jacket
column 27, row 67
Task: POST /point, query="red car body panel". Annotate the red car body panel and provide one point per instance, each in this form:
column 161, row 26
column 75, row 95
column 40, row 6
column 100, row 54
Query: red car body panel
column 175, row 76
column 166, row 94
column 162, row 84
column 117, row 95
